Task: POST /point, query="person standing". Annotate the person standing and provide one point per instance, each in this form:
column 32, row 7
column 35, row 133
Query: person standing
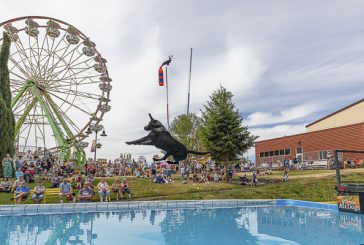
column 330, row 160
column 7, row 167
column 255, row 179
column 182, row 171
column 187, row 172
column 19, row 162
column 230, row 174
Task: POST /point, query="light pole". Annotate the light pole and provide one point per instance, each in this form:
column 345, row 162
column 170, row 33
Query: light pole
column 96, row 129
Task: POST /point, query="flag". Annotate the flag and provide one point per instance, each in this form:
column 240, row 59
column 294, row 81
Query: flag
column 160, row 71
column 161, row 78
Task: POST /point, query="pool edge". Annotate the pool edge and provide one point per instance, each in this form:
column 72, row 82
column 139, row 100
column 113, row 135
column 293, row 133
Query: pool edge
column 33, row 209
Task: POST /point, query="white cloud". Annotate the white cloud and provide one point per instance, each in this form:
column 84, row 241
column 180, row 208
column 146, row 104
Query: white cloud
column 283, row 61
column 238, row 69
column 268, row 118
column 278, row 131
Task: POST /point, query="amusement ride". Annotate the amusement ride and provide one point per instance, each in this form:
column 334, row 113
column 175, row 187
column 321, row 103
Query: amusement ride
column 60, row 86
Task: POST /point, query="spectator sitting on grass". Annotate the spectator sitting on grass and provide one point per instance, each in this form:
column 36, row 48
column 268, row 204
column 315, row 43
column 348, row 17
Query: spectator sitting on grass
column 17, row 183
column 244, row 180
column 90, row 179
column 138, row 173
column 5, row 186
column 39, row 190
column 125, row 188
column 160, row 179
column 18, row 173
column 65, row 190
column 204, row 178
column 357, row 163
column 196, row 178
column 21, row 193
column 54, row 181
column 116, row 187
column 86, row 193
column 103, row 189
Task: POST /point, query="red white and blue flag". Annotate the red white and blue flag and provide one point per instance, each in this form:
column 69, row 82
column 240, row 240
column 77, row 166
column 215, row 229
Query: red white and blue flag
column 161, row 71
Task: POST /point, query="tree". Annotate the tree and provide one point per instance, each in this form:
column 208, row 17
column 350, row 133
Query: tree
column 222, row 131
column 7, row 122
column 185, row 128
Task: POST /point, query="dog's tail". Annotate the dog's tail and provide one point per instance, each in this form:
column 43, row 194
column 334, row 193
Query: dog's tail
column 198, row 152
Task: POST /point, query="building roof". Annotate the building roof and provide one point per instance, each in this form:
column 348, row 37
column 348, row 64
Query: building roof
column 336, row 112
column 308, row 133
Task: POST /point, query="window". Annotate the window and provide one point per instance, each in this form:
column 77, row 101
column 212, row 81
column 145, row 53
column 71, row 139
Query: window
column 281, row 152
column 299, row 150
column 276, row 153
column 323, row 155
column 261, row 154
column 271, row 153
column 266, row 154
column 287, row 152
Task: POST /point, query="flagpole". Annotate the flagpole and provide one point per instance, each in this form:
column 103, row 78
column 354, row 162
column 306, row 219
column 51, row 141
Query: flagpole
column 189, row 85
column 167, row 97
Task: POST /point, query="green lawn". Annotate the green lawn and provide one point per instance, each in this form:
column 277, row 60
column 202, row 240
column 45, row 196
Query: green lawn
column 303, row 185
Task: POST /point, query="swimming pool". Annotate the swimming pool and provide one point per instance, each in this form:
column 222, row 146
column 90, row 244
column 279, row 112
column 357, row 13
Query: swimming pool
column 274, row 222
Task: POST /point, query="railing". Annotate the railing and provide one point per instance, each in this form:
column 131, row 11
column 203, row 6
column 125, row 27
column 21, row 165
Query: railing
column 310, row 156
column 25, row 151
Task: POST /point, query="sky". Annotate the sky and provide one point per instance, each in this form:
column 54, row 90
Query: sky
column 287, row 62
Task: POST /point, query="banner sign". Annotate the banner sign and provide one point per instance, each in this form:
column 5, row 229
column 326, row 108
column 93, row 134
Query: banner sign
column 349, row 202
column 93, row 146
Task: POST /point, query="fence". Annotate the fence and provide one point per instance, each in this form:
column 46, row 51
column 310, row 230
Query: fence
column 311, row 156
column 30, row 151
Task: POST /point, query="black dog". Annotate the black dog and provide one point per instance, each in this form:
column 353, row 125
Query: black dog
column 162, row 139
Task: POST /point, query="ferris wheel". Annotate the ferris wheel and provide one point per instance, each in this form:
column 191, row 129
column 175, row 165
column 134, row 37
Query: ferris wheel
column 60, row 85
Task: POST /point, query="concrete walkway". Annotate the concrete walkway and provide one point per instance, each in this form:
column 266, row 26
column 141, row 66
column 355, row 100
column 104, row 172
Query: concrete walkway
column 319, row 174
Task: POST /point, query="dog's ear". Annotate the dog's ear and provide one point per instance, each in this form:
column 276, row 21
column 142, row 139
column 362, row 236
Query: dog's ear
column 151, row 118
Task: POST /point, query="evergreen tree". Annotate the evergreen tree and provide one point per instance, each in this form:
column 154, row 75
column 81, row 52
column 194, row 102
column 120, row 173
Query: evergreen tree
column 7, row 121
column 185, row 129
column 222, row 131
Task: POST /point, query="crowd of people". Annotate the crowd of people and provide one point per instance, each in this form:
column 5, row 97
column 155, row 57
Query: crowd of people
column 78, row 183
column 65, row 177
column 327, row 163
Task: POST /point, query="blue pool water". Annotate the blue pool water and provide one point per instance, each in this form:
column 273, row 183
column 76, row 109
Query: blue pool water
column 245, row 225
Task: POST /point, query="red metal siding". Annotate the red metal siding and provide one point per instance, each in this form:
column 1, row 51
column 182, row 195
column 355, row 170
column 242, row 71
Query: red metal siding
column 349, row 137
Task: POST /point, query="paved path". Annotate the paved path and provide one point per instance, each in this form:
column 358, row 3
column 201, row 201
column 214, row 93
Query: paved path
column 318, row 174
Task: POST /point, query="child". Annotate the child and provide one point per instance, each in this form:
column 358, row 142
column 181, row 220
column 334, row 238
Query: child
column 79, row 181
column 116, row 188
column 285, row 176
column 125, row 188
